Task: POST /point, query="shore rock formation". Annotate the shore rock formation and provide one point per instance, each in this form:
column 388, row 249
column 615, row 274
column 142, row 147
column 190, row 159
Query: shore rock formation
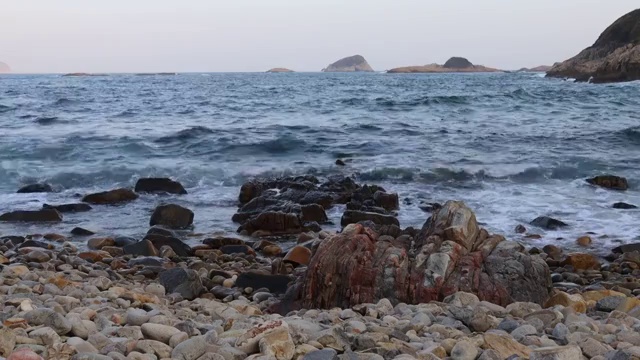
column 614, row 57
column 454, row 64
column 355, row 63
column 4, row 68
column 280, row 70
column 451, row 253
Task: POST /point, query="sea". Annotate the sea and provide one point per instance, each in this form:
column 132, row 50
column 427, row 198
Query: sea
column 512, row 146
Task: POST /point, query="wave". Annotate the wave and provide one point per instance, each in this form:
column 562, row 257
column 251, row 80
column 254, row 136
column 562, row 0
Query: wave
column 63, row 102
column 5, row 108
column 188, row 134
column 632, row 134
column 281, row 145
column 46, row 120
column 425, row 100
column 129, row 113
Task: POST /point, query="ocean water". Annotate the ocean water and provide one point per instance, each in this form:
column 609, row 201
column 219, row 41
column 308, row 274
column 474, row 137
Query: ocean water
column 512, row 146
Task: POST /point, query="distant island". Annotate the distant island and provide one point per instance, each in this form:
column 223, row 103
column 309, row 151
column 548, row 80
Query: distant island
column 614, row 57
column 541, row 68
column 154, row 74
column 279, row 70
column 4, row 68
column 355, row 63
column 453, row 65
column 80, row 74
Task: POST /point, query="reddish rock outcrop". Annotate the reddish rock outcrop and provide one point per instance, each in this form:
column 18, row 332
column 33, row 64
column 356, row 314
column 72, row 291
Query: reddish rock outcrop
column 450, row 254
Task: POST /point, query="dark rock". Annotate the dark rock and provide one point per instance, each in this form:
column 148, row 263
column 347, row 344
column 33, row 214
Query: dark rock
column 34, row 243
column 158, row 230
column 172, row 216
column 609, row 181
column 452, row 254
column 275, row 222
column 216, row 243
column 276, row 284
column 237, row 249
column 621, row 205
column 35, row 188
column 520, row 229
column 185, row 282
column 111, row 197
column 388, row 201
column 47, row 215
column 548, row 223
column 78, row 231
column 609, row 303
column 626, row 248
column 458, row 63
column 68, row 208
column 147, row 261
column 614, row 57
column 340, row 162
column 122, row 241
column 355, row 63
column 429, row 207
column 159, row 185
column 353, row 217
column 313, row 212
column 179, row 247
column 221, row 292
column 141, row 248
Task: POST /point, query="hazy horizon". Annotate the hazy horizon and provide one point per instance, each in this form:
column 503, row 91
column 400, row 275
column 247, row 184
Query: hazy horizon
column 251, row 35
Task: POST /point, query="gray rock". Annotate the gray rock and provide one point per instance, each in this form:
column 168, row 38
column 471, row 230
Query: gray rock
column 45, row 336
column 136, row 317
column 90, row 356
column 570, row 352
column 190, row 349
column 464, row 350
column 489, row 354
column 50, row 319
column 161, row 350
column 560, row 331
column 185, row 282
column 592, row 347
column 158, row 332
column 524, row 330
column 508, row 325
column 324, row 354
column 609, row 303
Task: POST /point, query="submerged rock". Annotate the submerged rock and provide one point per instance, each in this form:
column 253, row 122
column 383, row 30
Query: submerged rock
column 622, row 205
column 159, row 185
column 69, row 208
column 609, row 182
column 548, row 223
column 614, row 57
column 355, row 63
column 35, row 188
column 47, row 215
column 111, row 197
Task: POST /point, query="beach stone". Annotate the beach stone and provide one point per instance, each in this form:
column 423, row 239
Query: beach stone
column 609, row 182
column 464, row 350
column 237, row 249
column 462, row 299
column 178, row 338
column 177, row 245
column 548, row 223
column 99, row 243
column 278, row 344
column 574, row 301
column 45, row 336
column 158, row 332
column 37, row 256
column 592, row 347
column 523, row 331
column 90, row 356
column 82, row 328
column 78, row 231
column 505, row 346
column 69, row 208
column 35, row 188
column 110, row 197
column 24, row 354
column 141, row 248
column 155, row 289
column 159, row 185
column 48, row 215
column 161, row 350
column 489, row 355
column 50, row 319
column 324, row 354
column 584, row 241
column 610, row 303
column 299, row 255
column 185, row 282
column 570, row 352
column 191, row 349
column 7, row 341
column 277, row 284
column 249, row 342
column 137, row 317
column 172, row 216
column 581, row 261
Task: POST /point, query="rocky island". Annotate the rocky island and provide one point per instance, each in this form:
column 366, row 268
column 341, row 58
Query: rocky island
column 614, row 57
column 279, row 70
column 356, row 63
column 541, row 68
column 454, row 64
column 4, row 68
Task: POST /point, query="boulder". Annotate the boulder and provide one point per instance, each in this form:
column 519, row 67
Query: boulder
column 452, row 254
column 614, row 57
column 622, row 205
column 47, row 215
column 185, row 282
column 457, row 63
column 626, row 248
column 548, row 223
column 68, row 208
column 298, row 255
column 172, row 216
column 354, row 217
column 581, row 261
column 177, row 245
column 609, row 182
column 35, row 188
column 141, row 248
column 159, row 185
column 111, row 197
column 355, row 63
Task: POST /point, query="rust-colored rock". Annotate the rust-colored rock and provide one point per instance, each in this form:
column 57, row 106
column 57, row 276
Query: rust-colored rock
column 111, row 197
column 298, row 255
column 24, row 354
column 55, row 237
column 272, row 250
column 584, row 241
column 94, row 256
column 609, row 182
column 581, row 261
column 452, row 254
column 574, row 301
column 99, row 243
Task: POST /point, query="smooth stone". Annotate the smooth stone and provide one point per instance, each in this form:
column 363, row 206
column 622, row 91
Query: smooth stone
column 136, row 317
column 49, row 318
column 158, row 332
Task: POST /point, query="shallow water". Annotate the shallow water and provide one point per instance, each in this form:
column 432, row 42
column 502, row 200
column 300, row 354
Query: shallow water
column 513, row 146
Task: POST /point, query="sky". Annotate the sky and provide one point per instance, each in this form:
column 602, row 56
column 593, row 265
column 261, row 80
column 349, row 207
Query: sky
column 47, row 36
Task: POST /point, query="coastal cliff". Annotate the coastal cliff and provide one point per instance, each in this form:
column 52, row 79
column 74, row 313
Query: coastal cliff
column 454, row 64
column 614, row 57
column 356, row 63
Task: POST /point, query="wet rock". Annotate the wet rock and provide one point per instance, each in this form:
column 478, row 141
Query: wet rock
column 557, row 353
column 48, row 215
column 185, row 282
column 159, row 185
column 609, row 182
column 69, row 208
column 172, row 216
column 622, row 205
column 35, row 188
column 78, row 231
column 520, row 229
column 177, row 245
column 354, row 217
column 141, row 248
column 626, row 248
column 340, row 162
column 110, row 197
column 298, row 255
column 218, row 242
column 313, row 212
column 274, row 222
column 276, row 284
column 584, row 241
column 237, row 249
column 548, row 223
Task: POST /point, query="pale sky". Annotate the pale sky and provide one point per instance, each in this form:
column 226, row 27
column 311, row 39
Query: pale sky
column 58, row 36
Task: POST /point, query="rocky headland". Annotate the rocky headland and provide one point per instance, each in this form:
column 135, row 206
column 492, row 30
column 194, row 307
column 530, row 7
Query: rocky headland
column 453, row 65
column 355, row 63
column 279, row 70
column 4, row 68
column 614, row 57
column 284, row 288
